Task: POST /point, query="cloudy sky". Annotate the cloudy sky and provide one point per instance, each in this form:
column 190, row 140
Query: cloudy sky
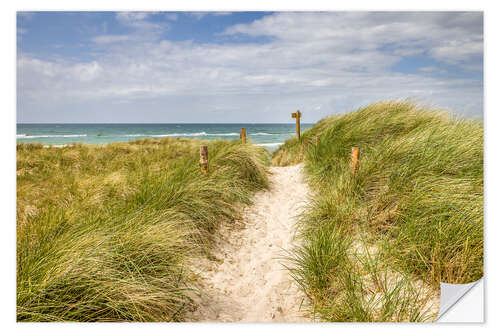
column 242, row 67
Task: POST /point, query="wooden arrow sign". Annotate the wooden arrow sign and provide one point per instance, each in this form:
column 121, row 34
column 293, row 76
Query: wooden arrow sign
column 297, row 115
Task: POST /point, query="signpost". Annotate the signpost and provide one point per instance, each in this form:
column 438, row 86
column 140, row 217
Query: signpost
column 243, row 135
column 204, row 159
column 354, row 160
column 297, row 115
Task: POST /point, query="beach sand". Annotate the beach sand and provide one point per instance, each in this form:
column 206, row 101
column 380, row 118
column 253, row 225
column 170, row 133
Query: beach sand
column 247, row 281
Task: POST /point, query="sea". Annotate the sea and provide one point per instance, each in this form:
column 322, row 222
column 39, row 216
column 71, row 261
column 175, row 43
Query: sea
column 270, row 136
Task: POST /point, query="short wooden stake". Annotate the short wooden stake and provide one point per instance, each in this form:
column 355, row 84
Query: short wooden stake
column 243, row 135
column 317, row 140
column 297, row 115
column 354, row 160
column 204, row 159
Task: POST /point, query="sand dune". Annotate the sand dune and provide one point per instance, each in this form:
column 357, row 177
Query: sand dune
column 247, row 282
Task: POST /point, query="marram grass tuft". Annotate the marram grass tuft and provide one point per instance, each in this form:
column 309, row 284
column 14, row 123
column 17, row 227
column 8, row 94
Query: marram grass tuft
column 415, row 206
column 108, row 233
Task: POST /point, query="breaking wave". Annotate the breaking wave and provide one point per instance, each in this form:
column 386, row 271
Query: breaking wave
column 261, row 133
column 183, row 134
column 24, row 136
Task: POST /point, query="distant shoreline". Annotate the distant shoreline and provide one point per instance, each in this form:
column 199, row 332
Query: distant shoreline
column 288, row 123
column 267, row 135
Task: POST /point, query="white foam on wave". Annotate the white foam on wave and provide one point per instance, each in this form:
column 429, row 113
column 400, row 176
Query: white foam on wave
column 24, row 136
column 225, row 134
column 182, row 134
column 166, row 135
column 261, row 133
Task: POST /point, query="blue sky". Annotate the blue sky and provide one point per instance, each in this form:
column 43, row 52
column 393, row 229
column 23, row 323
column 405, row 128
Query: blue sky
column 242, row 66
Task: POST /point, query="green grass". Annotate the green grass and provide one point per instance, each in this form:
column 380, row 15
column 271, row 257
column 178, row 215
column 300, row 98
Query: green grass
column 131, row 218
column 411, row 216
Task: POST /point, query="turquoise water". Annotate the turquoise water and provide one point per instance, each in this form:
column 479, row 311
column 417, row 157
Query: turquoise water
column 267, row 135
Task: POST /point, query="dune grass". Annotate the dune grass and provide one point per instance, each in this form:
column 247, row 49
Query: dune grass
column 106, row 233
column 376, row 245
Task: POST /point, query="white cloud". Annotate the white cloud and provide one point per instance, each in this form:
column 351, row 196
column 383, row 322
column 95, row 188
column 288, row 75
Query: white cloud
column 337, row 61
column 456, row 51
column 429, row 69
column 200, row 15
column 141, row 28
column 106, row 39
column 87, row 72
column 451, row 37
column 132, row 17
column 139, row 21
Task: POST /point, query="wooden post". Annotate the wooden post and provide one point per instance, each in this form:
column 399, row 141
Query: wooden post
column 243, row 135
column 204, row 159
column 297, row 115
column 354, row 160
column 317, row 140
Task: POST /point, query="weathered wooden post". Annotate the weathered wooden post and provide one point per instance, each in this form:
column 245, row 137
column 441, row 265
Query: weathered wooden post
column 243, row 135
column 297, row 115
column 204, row 159
column 317, row 140
column 354, row 160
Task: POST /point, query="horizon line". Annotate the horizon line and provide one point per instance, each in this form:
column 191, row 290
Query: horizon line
column 29, row 123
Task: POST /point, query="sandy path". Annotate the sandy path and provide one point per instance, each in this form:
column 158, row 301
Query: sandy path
column 247, row 282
